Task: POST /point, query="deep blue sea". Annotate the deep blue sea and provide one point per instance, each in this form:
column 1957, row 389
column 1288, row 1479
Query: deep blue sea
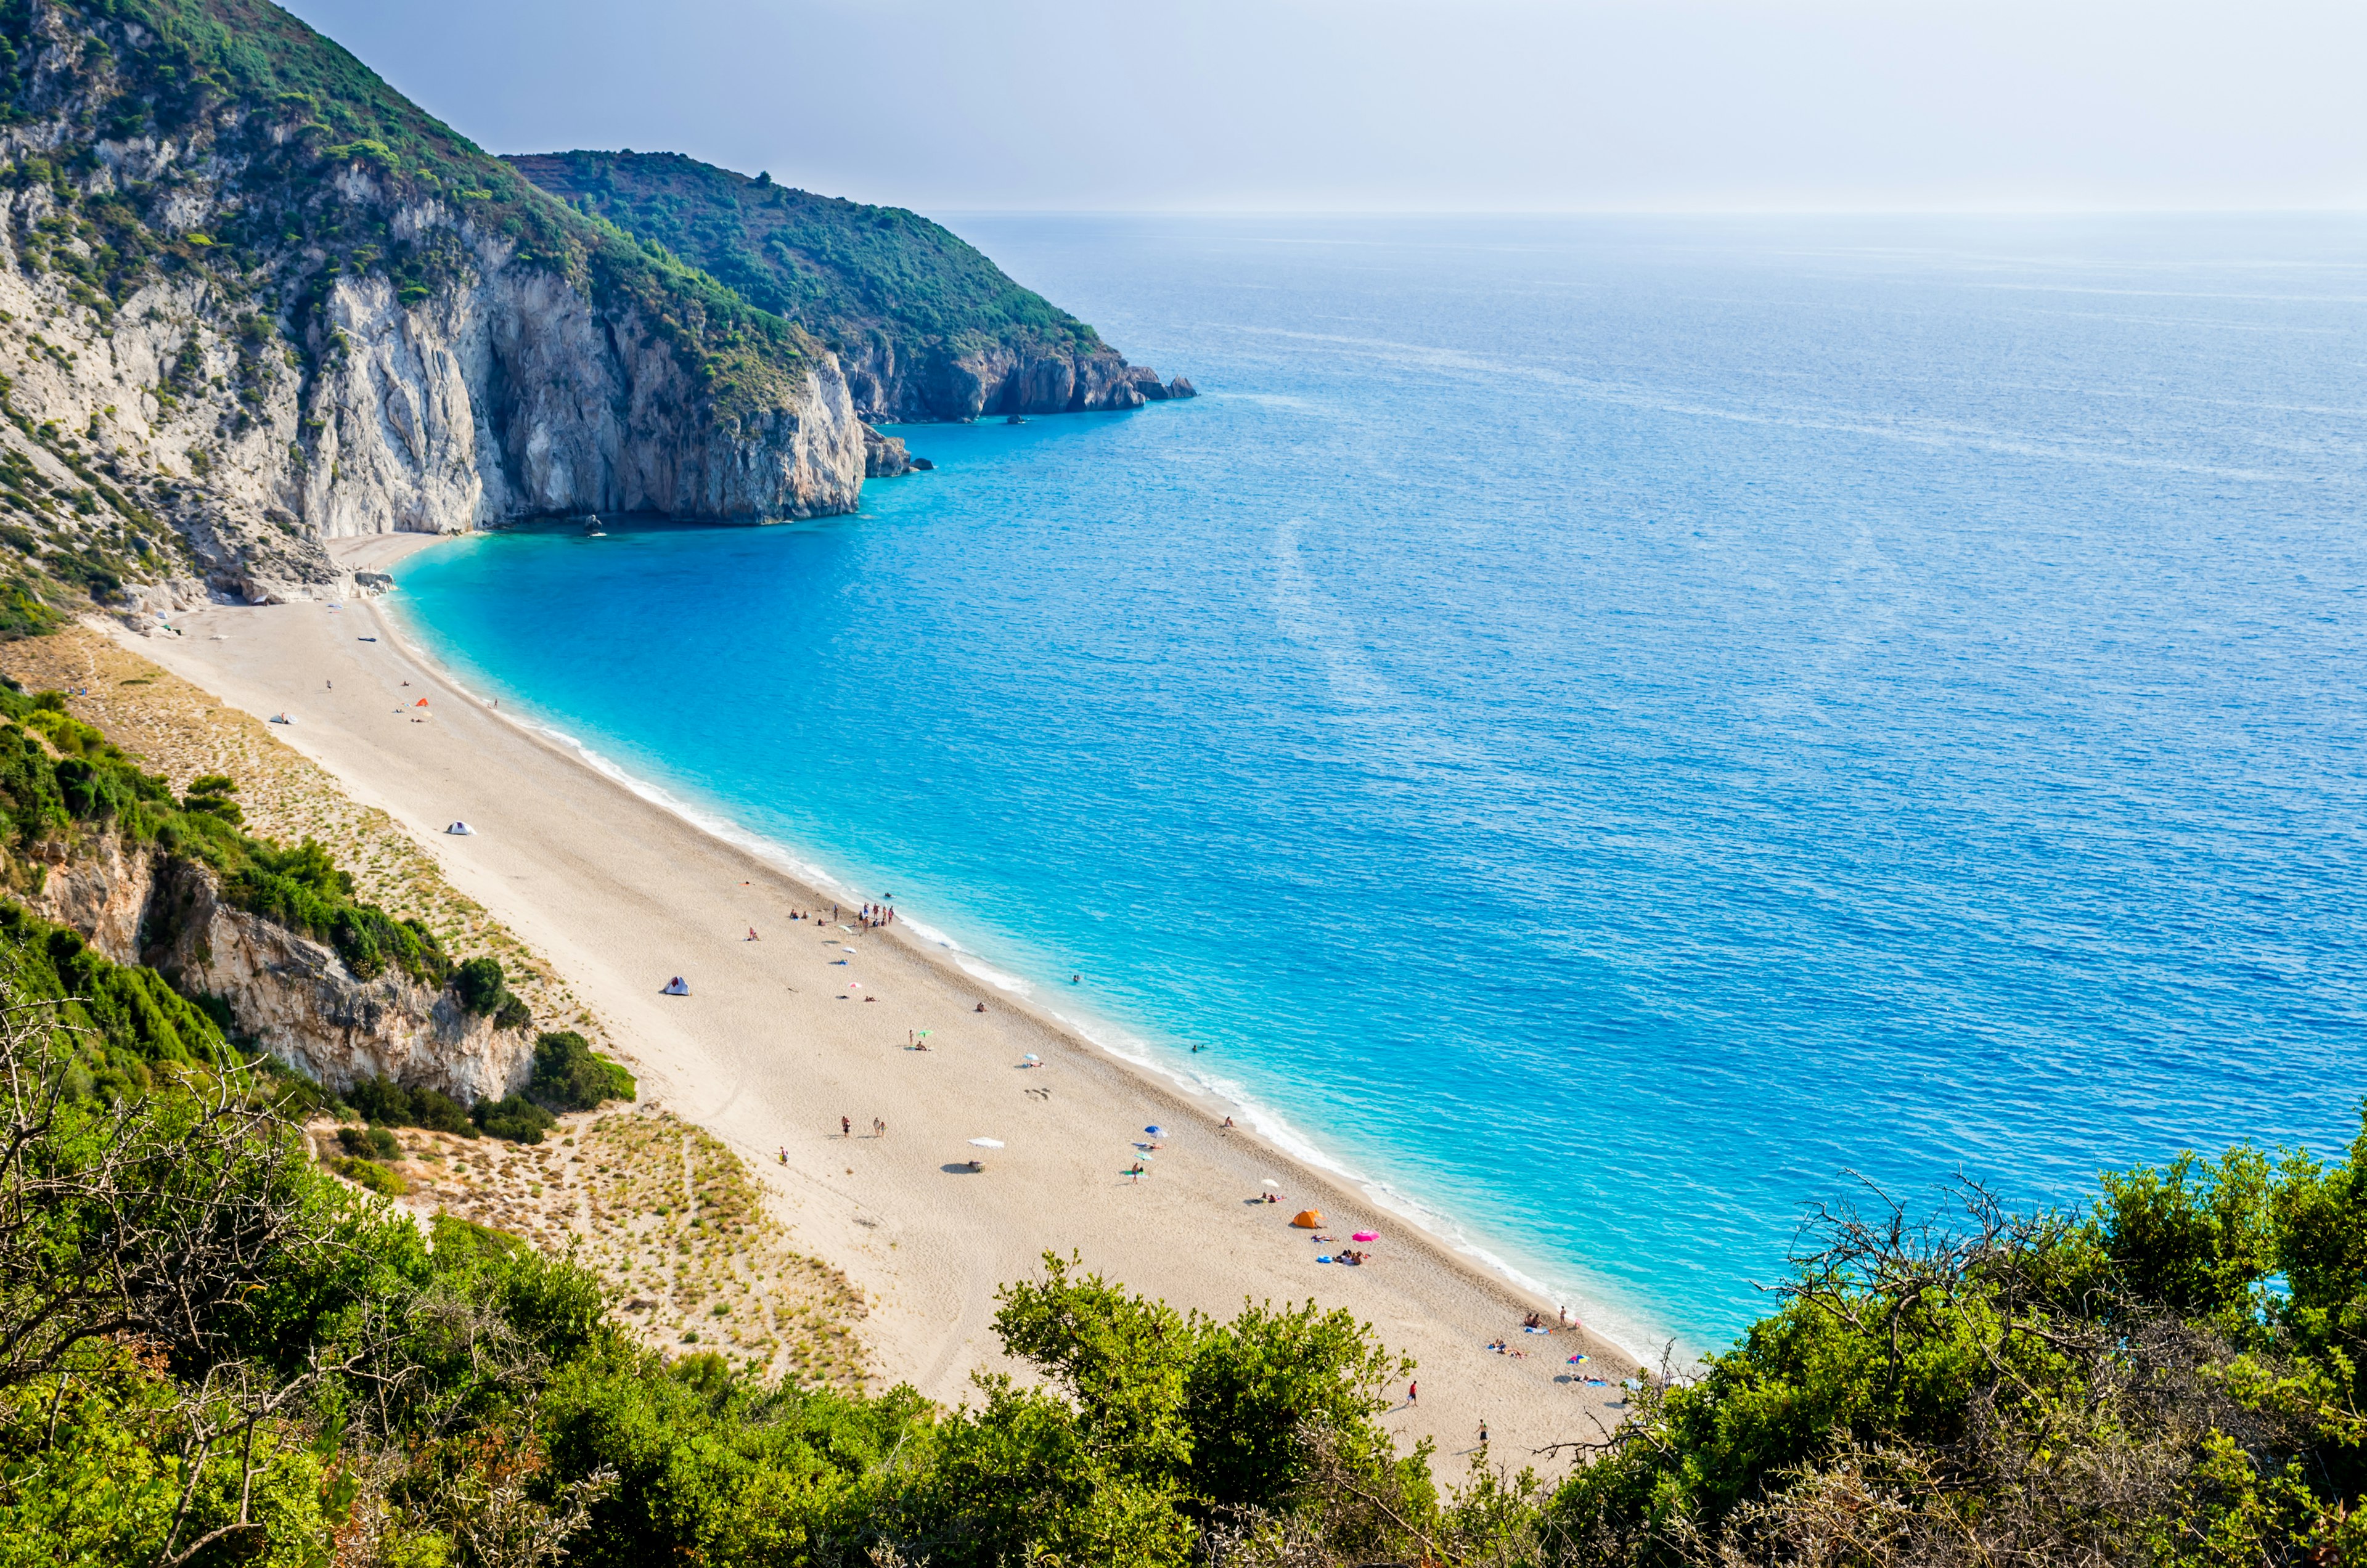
column 1602, row 728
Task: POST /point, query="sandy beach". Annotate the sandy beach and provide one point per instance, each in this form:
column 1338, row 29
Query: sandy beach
column 780, row 1040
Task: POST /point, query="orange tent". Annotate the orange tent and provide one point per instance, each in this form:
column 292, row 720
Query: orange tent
column 420, row 704
column 1308, row 1220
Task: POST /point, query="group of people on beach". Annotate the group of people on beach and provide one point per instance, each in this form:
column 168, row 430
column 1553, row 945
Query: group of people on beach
column 879, row 914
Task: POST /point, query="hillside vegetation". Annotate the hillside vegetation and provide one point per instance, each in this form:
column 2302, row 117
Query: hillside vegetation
column 840, row 269
column 305, row 121
column 194, row 190
column 212, row 1352
column 926, row 327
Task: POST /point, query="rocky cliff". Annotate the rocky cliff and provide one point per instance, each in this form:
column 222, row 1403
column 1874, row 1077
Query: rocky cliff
column 252, row 299
column 289, row 994
column 926, row 327
column 960, row 380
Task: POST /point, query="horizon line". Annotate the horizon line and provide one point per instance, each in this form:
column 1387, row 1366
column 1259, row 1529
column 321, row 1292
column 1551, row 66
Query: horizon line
column 2024, row 212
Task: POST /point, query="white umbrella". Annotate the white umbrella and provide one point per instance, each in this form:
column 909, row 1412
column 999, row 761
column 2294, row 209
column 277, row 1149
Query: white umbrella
column 1275, row 1185
column 986, row 1142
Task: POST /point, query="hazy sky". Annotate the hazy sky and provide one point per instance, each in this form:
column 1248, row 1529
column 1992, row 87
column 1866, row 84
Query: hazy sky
column 1370, row 104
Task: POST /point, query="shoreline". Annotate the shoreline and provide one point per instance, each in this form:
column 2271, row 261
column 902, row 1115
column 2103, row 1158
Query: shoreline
column 1609, row 1324
column 1209, row 1247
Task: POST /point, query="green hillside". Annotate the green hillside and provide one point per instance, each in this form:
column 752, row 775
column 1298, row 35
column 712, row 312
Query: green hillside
column 839, row 268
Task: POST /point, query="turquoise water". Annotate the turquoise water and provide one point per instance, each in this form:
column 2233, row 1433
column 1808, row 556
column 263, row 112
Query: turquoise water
column 1602, row 727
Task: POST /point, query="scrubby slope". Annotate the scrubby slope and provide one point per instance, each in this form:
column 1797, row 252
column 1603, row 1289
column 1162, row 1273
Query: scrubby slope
column 927, row 327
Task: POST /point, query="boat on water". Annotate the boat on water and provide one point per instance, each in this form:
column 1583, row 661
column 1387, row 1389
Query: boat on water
column 591, row 529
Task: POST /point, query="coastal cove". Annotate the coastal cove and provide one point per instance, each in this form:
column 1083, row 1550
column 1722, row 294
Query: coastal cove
column 783, row 1036
column 1607, row 868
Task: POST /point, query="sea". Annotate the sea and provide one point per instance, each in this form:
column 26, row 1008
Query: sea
column 1611, row 732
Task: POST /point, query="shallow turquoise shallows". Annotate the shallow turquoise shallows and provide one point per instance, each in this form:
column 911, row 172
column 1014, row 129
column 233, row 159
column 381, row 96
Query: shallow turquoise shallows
column 1602, row 728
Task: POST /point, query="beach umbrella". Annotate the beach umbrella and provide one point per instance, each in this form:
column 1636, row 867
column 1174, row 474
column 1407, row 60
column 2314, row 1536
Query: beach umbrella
column 1156, row 1132
column 1270, row 1182
column 1368, row 1235
column 1031, row 1057
column 986, row 1142
column 420, row 704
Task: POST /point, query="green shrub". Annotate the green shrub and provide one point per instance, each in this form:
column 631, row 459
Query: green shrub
column 390, row 1104
column 477, row 984
column 513, row 1014
column 128, row 1020
column 368, row 1143
column 459, row 1241
column 569, row 1077
column 303, row 890
column 514, row 1117
column 370, row 1176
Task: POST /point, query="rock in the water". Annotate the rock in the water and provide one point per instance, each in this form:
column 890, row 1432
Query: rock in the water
column 884, row 456
column 1180, row 388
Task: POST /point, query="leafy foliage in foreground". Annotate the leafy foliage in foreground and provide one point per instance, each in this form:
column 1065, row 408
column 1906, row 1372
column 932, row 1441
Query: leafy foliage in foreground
column 2173, row 1378
column 211, row 1352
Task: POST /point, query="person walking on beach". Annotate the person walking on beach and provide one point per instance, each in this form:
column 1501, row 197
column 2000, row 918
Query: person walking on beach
column 1483, row 1434
column 1413, row 1393
column 845, row 1127
column 878, row 1128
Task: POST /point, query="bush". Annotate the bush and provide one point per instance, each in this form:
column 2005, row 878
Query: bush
column 374, row 1143
column 512, row 1015
column 569, row 1077
column 388, row 1103
column 459, row 1242
column 303, row 890
column 373, row 1177
column 514, row 1117
column 478, row 984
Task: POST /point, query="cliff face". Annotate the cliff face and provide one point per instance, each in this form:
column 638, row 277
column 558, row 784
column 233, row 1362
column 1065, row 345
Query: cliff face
column 926, row 327
column 294, row 998
column 515, row 397
column 942, row 382
column 290, row 995
column 252, row 299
